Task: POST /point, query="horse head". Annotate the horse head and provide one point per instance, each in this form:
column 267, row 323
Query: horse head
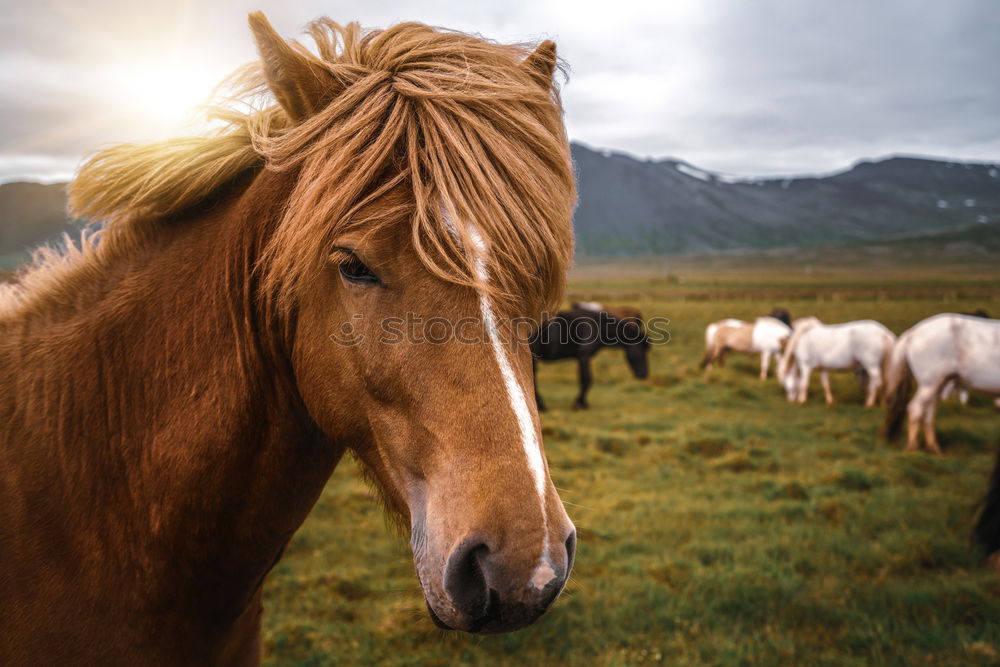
column 626, row 328
column 432, row 210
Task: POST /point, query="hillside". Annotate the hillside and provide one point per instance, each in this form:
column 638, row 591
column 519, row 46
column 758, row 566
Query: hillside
column 629, row 206
column 634, row 207
column 973, row 246
column 30, row 213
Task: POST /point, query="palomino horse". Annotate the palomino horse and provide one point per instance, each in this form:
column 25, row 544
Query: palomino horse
column 945, row 348
column 766, row 335
column 175, row 396
column 826, row 347
column 579, row 333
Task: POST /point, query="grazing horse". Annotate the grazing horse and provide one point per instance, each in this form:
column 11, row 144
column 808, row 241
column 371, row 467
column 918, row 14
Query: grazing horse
column 826, row 347
column 766, row 335
column 579, row 333
column 945, row 348
column 952, row 387
column 174, row 397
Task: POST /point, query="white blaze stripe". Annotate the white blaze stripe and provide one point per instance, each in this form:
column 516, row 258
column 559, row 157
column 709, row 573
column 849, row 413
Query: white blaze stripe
column 515, row 393
column 518, row 401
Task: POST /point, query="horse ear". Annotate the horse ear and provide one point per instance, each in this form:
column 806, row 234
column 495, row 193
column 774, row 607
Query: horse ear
column 300, row 86
column 541, row 63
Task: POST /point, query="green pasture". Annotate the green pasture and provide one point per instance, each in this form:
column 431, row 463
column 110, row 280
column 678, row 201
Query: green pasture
column 718, row 524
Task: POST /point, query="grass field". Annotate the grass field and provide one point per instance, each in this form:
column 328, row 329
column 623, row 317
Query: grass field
column 718, row 524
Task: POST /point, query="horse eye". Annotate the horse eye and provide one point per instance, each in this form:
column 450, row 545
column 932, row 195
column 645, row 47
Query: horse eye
column 354, row 270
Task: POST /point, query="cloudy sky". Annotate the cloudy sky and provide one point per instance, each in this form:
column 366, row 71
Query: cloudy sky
column 748, row 87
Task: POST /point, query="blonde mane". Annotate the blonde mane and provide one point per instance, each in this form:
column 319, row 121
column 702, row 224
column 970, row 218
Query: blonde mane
column 462, row 123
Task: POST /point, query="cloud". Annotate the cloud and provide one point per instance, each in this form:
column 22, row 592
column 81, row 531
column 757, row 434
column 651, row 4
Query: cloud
column 742, row 86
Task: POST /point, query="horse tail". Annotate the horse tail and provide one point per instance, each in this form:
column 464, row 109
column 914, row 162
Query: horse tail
column 898, row 377
column 987, row 529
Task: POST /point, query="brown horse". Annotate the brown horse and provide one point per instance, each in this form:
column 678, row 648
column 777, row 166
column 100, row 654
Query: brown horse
column 174, row 397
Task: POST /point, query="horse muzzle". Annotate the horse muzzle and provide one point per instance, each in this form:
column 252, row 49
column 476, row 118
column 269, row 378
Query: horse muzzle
column 484, row 594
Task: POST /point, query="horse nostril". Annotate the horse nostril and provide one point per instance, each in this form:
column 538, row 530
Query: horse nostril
column 570, row 552
column 464, row 581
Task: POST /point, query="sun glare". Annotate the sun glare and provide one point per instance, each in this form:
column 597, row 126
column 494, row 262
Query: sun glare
column 164, row 92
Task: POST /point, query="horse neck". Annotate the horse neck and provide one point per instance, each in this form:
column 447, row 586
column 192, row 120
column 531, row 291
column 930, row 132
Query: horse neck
column 788, row 355
column 164, row 429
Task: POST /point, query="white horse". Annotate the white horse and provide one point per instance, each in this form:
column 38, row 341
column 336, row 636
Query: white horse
column 766, row 335
column 826, row 347
column 943, row 349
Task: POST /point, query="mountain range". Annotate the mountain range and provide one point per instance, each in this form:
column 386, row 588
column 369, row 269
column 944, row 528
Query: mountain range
column 629, row 206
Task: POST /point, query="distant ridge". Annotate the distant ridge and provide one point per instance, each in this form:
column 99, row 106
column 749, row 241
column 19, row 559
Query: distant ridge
column 631, row 207
column 30, row 214
column 634, row 207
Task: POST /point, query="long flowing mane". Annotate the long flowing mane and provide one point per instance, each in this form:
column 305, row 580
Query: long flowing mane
column 460, row 122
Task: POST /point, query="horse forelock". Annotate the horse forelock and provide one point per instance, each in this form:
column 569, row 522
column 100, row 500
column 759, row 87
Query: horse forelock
column 455, row 121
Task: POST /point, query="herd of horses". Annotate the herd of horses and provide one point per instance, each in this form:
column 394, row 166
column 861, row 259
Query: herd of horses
column 944, row 354
column 172, row 400
column 949, row 353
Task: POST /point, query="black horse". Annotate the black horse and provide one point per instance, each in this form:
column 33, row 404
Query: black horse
column 580, row 332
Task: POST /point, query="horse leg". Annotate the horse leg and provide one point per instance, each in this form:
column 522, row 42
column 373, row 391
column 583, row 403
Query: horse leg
column 581, row 401
column 947, row 389
column 765, row 363
column 824, row 377
column 534, row 381
column 874, row 386
column 915, row 416
column 930, row 433
column 804, row 373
